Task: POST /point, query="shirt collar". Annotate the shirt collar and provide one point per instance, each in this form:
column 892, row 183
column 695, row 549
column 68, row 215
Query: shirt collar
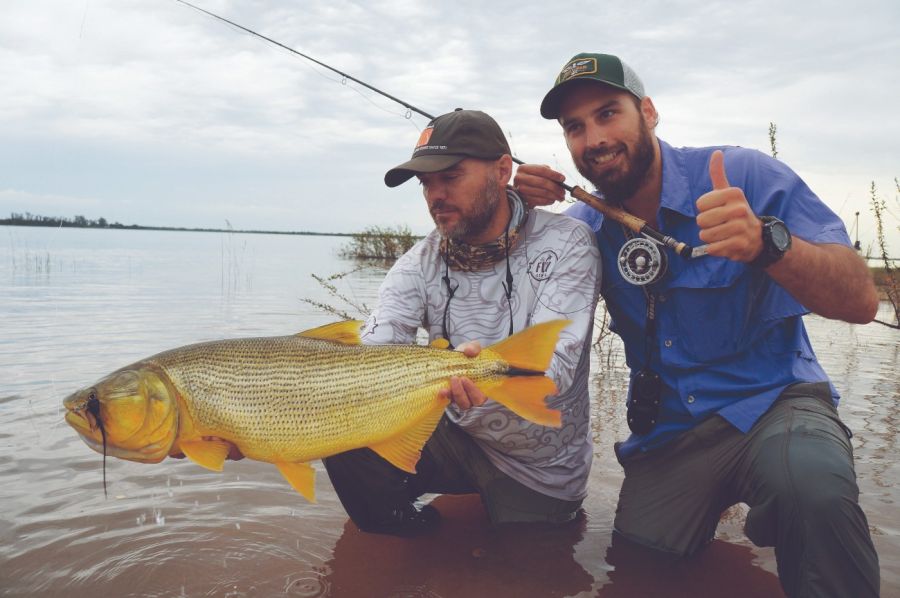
column 675, row 195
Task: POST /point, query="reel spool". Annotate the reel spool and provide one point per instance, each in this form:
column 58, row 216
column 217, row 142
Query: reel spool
column 641, row 262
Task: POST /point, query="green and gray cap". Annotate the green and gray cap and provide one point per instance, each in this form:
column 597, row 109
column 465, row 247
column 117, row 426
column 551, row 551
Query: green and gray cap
column 449, row 139
column 604, row 68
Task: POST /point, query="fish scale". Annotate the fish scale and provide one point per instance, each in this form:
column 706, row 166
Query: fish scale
column 272, row 389
column 288, row 400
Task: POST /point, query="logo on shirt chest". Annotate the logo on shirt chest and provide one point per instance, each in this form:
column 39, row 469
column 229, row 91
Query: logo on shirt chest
column 541, row 267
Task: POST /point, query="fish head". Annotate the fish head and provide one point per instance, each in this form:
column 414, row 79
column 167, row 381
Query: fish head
column 133, row 412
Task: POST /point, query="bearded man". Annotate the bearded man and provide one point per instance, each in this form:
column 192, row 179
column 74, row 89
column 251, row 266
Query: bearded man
column 727, row 402
column 491, row 267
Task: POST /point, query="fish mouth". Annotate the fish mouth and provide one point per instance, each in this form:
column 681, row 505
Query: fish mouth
column 83, row 422
column 78, row 419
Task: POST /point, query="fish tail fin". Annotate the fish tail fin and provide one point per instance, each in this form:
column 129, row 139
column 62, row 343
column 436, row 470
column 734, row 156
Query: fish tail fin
column 532, row 349
column 525, row 390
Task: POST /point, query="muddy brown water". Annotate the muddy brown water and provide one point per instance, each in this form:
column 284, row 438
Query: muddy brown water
column 78, row 304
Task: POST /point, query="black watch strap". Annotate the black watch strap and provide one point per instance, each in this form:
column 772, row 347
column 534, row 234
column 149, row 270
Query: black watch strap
column 776, row 240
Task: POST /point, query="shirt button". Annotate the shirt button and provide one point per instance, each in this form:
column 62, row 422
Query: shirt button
column 691, row 398
column 662, row 298
column 668, row 343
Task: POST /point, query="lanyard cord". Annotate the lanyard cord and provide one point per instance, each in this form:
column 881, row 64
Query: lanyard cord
column 451, row 289
column 508, row 285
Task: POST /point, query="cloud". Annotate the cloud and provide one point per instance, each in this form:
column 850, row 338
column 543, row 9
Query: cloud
column 143, row 106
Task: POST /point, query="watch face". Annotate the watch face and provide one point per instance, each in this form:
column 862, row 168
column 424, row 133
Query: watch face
column 781, row 237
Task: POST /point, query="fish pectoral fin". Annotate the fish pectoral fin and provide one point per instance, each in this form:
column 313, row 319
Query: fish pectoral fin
column 210, row 453
column 525, row 396
column 346, row 332
column 404, row 449
column 301, row 476
column 439, row 343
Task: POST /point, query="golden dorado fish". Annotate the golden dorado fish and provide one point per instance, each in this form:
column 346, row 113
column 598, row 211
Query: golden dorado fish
column 288, row 400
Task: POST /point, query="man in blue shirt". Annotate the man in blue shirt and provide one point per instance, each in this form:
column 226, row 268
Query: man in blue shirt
column 727, row 401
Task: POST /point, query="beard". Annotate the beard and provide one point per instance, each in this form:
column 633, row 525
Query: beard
column 475, row 219
column 619, row 185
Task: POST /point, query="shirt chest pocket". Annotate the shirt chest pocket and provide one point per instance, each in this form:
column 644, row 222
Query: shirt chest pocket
column 710, row 302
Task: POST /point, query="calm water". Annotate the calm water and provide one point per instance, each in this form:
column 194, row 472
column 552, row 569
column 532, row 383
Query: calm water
column 77, row 304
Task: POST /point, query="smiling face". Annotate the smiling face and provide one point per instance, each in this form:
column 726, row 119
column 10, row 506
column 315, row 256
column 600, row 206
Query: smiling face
column 465, row 199
column 608, row 136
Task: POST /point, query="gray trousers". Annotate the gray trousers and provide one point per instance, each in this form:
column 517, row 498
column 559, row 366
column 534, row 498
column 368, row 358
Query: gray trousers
column 371, row 489
column 794, row 469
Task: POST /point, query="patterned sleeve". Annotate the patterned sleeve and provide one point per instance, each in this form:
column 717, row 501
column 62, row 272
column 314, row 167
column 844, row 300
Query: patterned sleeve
column 401, row 304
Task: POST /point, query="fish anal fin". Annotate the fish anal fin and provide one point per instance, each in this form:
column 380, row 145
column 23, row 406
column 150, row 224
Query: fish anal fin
column 345, row 332
column 301, row 476
column 525, row 396
column 532, row 349
column 404, row 449
column 208, row 453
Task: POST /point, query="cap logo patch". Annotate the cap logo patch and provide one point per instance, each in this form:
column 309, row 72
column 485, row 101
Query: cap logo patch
column 425, row 136
column 577, row 68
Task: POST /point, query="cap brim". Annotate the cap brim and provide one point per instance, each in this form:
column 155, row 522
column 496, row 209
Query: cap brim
column 418, row 165
column 554, row 97
column 400, row 174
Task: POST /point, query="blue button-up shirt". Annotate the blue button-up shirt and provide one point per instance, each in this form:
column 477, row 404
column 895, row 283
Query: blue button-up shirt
column 728, row 339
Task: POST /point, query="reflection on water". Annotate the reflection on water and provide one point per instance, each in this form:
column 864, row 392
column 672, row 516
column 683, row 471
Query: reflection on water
column 77, row 304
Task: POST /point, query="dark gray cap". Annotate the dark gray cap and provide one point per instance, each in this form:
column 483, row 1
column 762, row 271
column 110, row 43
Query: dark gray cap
column 449, row 139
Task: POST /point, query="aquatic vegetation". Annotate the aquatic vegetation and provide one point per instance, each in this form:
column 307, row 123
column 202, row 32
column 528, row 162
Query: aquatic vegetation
column 380, row 243
column 885, row 277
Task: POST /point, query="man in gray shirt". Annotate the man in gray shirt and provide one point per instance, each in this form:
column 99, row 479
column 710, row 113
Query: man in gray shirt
column 491, row 268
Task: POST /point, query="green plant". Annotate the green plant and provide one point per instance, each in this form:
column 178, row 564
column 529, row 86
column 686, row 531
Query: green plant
column 379, row 243
column 886, row 277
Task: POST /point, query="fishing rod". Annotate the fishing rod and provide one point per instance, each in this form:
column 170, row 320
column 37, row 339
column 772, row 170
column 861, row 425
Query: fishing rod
column 640, row 261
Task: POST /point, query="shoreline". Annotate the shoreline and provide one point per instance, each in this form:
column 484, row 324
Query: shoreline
column 117, row 226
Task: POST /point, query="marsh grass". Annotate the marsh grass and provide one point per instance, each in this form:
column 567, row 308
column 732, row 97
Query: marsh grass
column 379, row 243
column 235, row 274
column 886, row 277
column 360, row 311
column 24, row 260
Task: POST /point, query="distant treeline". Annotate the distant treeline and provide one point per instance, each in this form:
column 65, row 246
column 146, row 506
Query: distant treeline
column 28, row 219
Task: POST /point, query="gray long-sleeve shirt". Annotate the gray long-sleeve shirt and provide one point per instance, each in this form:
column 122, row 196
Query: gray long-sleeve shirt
column 556, row 274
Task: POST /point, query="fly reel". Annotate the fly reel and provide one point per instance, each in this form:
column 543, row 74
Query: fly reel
column 641, row 262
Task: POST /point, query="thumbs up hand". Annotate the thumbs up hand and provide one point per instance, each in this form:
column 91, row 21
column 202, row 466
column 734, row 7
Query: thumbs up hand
column 727, row 224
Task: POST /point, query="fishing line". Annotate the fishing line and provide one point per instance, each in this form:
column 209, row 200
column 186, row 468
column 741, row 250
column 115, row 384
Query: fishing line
column 619, row 215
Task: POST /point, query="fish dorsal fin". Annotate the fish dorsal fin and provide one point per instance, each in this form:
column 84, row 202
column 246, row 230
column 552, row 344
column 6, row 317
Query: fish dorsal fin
column 210, row 454
column 403, row 450
column 532, row 349
column 346, row 332
column 301, row 476
column 439, row 343
column 525, row 396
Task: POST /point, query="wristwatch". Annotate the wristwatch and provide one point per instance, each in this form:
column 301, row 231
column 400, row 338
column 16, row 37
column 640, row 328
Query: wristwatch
column 776, row 240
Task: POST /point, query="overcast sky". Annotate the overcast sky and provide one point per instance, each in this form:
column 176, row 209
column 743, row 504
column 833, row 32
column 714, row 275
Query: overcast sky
column 149, row 112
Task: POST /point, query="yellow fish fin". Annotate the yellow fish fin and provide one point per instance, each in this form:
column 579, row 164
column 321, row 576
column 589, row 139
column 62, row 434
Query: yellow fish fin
column 524, row 396
column 403, row 450
column 301, row 476
column 439, row 343
column 206, row 453
column 532, row 349
column 346, row 332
